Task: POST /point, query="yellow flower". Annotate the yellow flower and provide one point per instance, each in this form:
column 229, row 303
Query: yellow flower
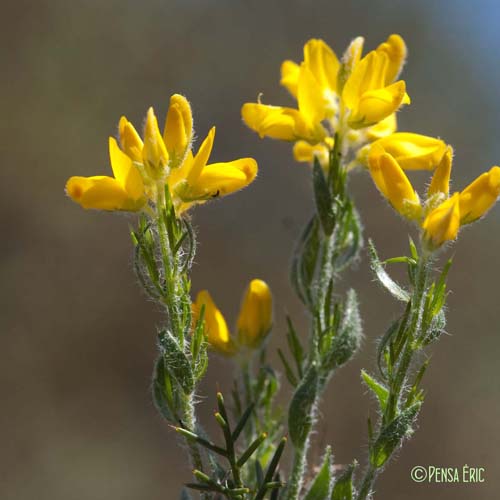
column 367, row 93
column 383, row 128
column 142, row 168
column 411, row 151
column 479, row 196
column 440, row 183
column 123, row 192
column 313, row 83
column 196, row 182
column 393, row 183
column 216, row 328
column 256, row 314
column 442, row 223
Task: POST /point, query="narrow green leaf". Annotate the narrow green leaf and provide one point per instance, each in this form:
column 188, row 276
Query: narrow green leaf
column 242, row 421
column 323, row 198
column 295, row 346
column 342, row 488
column 321, row 485
column 162, row 392
column 392, row 435
column 301, row 412
column 380, row 391
column 383, row 277
column 176, row 361
column 288, row 370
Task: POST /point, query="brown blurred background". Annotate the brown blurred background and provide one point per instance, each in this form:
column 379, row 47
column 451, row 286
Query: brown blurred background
column 78, row 336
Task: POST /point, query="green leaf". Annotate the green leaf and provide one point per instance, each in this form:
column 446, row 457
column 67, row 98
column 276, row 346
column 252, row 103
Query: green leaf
column 301, row 412
column 321, row 485
column 176, row 361
column 350, row 237
column 163, row 392
column 288, row 369
column 436, row 328
column 347, row 339
column 295, row 346
column 380, row 391
column 342, row 488
column 392, row 435
column 323, row 198
column 383, row 277
column 305, row 261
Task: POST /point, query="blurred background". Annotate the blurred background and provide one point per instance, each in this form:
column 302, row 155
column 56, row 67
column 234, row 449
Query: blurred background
column 78, row 336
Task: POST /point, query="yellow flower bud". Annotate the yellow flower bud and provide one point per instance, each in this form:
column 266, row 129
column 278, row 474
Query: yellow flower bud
column 154, row 153
column 256, row 314
column 215, row 324
column 178, row 130
column 442, row 223
column 393, row 183
column 413, row 151
column 396, row 50
column 440, row 182
column 130, row 141
column 353, row 53
column 479, row 196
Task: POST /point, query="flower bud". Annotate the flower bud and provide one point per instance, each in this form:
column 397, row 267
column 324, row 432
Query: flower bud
column 215, row 324
column 396, row 51
column 393, row 183
column 440, row 182
column 178, row 130
column 256, row 314
column 130, row 141
column 154, row 153
column 442, row 223
column 479, row 196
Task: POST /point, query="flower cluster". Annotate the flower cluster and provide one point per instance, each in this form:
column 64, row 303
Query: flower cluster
column 142, row 167
column 355, row 98
column 440, row 215
column 255, row 319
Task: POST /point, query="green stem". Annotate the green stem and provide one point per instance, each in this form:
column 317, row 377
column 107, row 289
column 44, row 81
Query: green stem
column 398, row 377
column 296, row 478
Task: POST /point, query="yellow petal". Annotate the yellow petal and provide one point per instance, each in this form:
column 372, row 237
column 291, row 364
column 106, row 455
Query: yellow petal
column 305, row 152
column 215, row 325
column 396, row 50
column 393, row 183
column 130, row 141
column 479, row 196
column 221, row 179
column 442, row 224
column 275, row 122
column 413, row 151
column 154, row 153
column 440, row 182
column 383, row 128
column 323, row 63
column 256, row 314
column 201, row 158
column 368, row 74
column 375, row 105
column 178, row 130
column 290, row 76
column 311, row 99
column 125, row 172
column 101, row 193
